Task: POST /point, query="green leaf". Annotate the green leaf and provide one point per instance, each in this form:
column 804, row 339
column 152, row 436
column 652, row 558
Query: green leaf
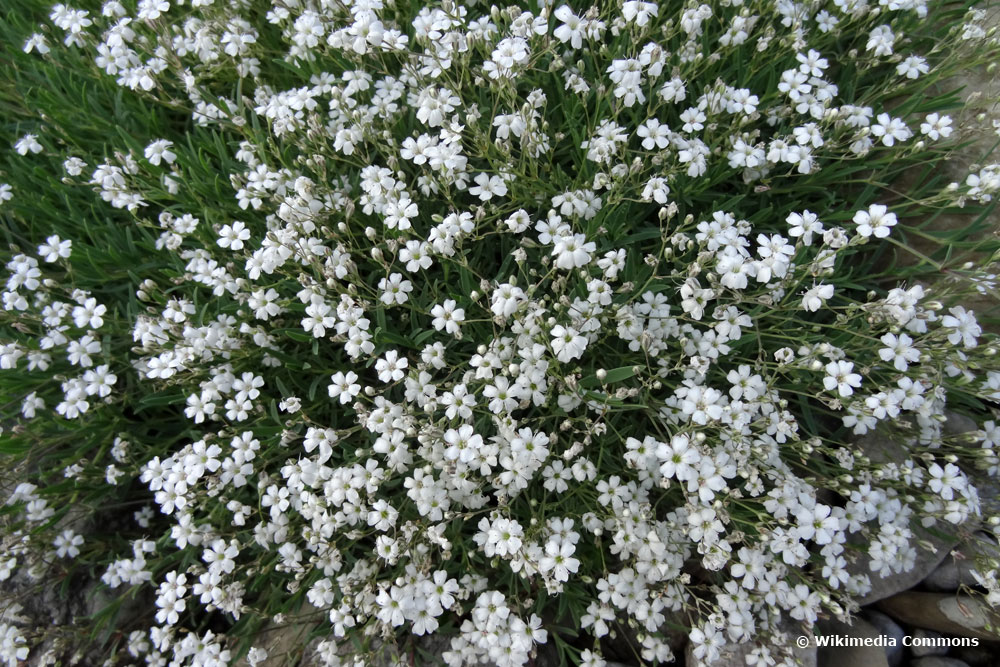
column 613, row 375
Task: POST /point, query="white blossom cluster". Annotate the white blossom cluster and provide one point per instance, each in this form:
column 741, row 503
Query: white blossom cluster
column 506, row 307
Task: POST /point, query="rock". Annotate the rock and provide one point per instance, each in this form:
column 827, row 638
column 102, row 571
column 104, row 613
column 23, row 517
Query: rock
column 956, row 570
column 850, row 656
column 977, row 656
column 926, row 561
column 951, row 614
column 625, row 645
column 881, row 448
column 970, row 613
column 735, row 655
column 889, row 628
column 919, row 650
column 935, row 661
column 956, row 424
column 948, row 576
column 285, row 642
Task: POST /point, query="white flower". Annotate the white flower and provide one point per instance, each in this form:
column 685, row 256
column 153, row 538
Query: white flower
column 876, row 221
column 912, row 67
column 503, row 396
column 488, row 187
column 399, row 213
column 572, row 28
column 840, row 376
column 67, row 544
column 945, row 481
column 74, row 166
column 463, row 444
column 54, row 248
column 506, row 299
column 567, row 343
column 899, row 350
column 344, row 386
column 501, row 537
column 890, row 129
column 159, row 151
column 150, row 10
column 447, row 317
column 558, row 560
column 233, row 236
column 816, row 296
column 395, row 290
column 36, row 42
column 880, row 41
column 936, row 126
column 28, row 144
column 680, row 458
column 654, row 134
column 256, row 656
column 812, row 63
column 804, row 224
column 572, row 251
column 966, row 329
column 391, row 366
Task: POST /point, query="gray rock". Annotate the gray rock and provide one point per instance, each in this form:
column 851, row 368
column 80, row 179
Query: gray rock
column 731, row 655
column 951, row 614
column 931, row 550
column 935, row 661
column 735, row 655
column 956, row 424
column 623, row 644
column 948, row 576
column 956, row 570
column 977, row 656
column 920, row 651
column 850, row 656
column 888, row 627
column 285, row 643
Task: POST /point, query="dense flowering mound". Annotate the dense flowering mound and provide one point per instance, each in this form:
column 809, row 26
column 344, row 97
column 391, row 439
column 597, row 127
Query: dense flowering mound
column 522, row 325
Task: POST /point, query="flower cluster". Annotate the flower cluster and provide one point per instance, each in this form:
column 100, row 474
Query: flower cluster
column 508, row 313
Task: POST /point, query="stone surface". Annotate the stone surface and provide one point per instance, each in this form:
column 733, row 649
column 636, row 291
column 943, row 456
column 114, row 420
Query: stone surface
column 957, row 424
column 923, row 651
column 956, row 570
column 948, row 613
column 935, row 661
column 850, row 656
column 983, row 655
column 888, row 627
column 625, row 645
column 735, row 655
column 926, row 561
column 881, row 448
column 286, row 643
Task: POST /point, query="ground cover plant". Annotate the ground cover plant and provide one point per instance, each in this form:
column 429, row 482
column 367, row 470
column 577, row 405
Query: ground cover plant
column 528, row 326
